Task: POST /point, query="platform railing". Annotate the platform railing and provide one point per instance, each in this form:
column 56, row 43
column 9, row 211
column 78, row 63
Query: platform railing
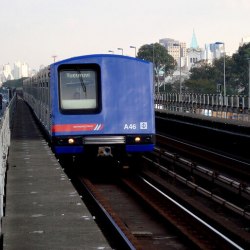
column 192, row 101
column 5, row 133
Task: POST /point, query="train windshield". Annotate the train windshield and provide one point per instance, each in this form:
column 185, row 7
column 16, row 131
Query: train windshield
column 78, row 89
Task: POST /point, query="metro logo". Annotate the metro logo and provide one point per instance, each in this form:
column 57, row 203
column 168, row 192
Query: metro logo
column 77, row 127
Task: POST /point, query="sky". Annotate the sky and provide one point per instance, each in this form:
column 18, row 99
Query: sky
column 33, row 31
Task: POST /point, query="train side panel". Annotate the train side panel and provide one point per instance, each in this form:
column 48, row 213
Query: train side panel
column 36, row 92
column 121, row 110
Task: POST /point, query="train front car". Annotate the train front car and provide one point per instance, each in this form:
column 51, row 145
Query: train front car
column 102, row 104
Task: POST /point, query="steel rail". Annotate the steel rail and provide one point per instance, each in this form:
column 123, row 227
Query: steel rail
column 203, row 191
column 235, row 245
column 239, row 186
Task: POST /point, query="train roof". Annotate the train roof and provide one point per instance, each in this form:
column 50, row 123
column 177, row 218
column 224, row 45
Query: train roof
column 68, row 60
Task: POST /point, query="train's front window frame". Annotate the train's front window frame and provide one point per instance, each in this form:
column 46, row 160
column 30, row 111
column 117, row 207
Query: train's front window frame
column 79, row 88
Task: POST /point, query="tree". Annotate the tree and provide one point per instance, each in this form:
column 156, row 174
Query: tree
column 218, row 65
column 202, row 79
column 17, row 83
column 205, row 71
column 240, row 67
column 236, row 74
column 201, row 86
column 158, row 55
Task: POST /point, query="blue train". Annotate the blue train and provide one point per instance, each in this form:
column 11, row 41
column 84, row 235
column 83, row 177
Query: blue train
column 95, row 103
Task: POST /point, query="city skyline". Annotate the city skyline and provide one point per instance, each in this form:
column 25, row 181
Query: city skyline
column 39, row 30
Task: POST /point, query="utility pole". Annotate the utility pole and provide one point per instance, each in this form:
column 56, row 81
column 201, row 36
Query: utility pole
column 54, row 58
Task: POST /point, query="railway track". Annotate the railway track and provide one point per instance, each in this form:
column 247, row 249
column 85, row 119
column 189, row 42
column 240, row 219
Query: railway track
column 221, row 135
column 127, row 222
column 211, row 191
column 167, row 224
column 205, row 169
column 197, row 153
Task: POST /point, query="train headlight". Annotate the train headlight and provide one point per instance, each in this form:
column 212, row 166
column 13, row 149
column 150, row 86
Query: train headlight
column 68, row 140
column 71, row 141
column 137, row 139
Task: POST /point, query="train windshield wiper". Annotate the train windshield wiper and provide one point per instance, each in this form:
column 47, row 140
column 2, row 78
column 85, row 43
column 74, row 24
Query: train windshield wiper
column 83, row 85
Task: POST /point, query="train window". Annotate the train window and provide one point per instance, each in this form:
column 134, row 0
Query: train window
column 78, row 85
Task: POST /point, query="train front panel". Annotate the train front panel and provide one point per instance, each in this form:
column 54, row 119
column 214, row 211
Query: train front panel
column 102, row 100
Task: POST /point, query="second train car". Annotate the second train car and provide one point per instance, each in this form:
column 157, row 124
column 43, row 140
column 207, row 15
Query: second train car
column 95, row 103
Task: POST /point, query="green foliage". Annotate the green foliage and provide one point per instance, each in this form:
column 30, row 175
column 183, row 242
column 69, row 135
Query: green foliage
column 203, row 79
column 207, row 86
column 240, row 68
column 158, row 55
column 206, row 77
column 204, row 72
column 14, row 83
column 167, row 88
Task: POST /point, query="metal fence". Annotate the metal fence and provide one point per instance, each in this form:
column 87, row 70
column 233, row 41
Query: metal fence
column 5, row 132
column 190, row 101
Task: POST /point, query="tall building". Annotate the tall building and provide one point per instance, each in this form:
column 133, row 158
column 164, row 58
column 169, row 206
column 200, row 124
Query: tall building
column 7, row 75
column 213, row 51
column 176, row 49
column 194, row 54
column 20, row 70
column 194, row 43
column 244, row 40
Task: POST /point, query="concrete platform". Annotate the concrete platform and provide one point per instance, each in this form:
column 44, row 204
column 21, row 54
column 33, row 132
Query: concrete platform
column 43, row 211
